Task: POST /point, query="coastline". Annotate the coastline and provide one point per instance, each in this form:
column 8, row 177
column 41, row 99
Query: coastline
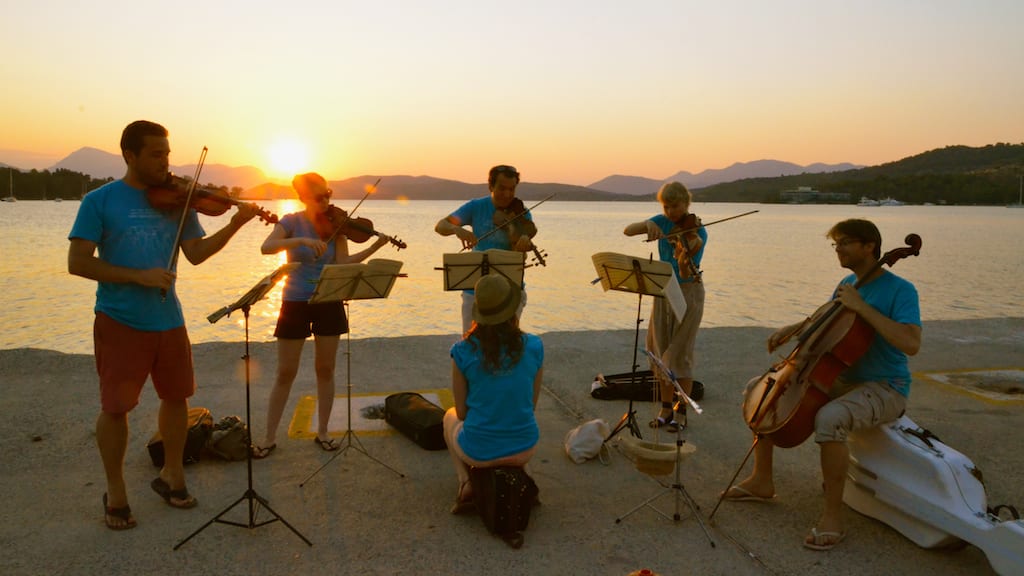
column 361, row 517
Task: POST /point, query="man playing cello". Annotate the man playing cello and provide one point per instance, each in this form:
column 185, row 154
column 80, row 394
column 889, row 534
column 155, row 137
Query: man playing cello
column 873, row 390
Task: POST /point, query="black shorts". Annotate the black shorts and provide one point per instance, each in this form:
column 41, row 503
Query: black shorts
column 298, row 320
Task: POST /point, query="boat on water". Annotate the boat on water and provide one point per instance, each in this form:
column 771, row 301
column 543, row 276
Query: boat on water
column 865, row 201
column 1020, row 196
column 889, row 202
column 10, row 179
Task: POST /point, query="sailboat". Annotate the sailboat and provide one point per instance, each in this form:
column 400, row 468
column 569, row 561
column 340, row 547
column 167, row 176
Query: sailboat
column 10, row 188
column 1020, row 196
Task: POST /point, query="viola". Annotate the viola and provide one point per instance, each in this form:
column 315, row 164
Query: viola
column 512, row 220
column 783, row 403
column 337, row 221
column 684, row 233
column 173, row 193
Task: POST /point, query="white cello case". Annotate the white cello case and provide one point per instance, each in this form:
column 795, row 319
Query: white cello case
column 929, row 492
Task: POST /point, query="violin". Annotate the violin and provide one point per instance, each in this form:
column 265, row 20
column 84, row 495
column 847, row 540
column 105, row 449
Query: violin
column 688, row 241
column 173, row 193
column 783, row 403
column 337, row 221
column 512, row 220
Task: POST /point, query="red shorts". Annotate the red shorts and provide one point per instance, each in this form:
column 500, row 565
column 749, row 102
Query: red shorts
column 125, row 357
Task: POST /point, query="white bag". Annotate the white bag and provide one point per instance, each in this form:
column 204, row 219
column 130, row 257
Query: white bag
column 586, row 440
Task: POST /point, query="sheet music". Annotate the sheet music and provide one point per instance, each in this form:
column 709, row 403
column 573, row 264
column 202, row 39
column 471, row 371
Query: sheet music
column 617, row 272
column 674, row 295
column 371, row 279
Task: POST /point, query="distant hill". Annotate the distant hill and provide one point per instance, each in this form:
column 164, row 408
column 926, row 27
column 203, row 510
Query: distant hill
column 100, row 164
column 429, row 188
column 951, row 175
column 738, row 171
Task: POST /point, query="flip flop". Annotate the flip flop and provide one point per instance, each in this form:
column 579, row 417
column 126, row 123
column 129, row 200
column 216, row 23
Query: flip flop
column 161, row 487
column 660, row 422
column 261, row 452
column 820, row 540
column 737, row 493
column 122, row 513
column 326, row 445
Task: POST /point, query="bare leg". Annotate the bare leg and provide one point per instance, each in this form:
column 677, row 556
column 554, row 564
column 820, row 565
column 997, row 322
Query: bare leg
column 173, row 424
column 289, row 351
column 461, row 469
column 835, row 459
column 326, row 352
column 112, row 441
column 760, row 482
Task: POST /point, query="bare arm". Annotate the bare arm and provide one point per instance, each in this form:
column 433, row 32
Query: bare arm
column 451, row 225
column 644, row 227
column 459, row 390
column 198, row 250
column 82, row 261
column 279, row 240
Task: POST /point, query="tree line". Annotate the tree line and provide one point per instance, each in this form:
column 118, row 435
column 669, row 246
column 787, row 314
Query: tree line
column 63, row 184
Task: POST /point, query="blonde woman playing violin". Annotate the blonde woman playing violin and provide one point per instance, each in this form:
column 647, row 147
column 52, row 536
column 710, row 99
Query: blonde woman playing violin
column 303, row 235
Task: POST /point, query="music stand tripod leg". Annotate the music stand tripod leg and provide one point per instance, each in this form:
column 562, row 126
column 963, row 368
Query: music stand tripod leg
column 350, row 434
column 250, row 494
column 629, row 418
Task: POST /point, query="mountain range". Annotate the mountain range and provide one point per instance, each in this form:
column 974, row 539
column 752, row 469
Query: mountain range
column 255, row 184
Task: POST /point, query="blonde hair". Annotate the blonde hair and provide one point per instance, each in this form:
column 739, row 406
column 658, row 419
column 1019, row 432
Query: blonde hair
column 674, row 193
column 303, row 183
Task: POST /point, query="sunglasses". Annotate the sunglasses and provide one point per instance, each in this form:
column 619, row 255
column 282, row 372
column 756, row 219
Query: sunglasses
column 324, row 196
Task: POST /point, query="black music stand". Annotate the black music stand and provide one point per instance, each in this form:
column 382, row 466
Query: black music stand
column 345, row 282
column 642, row 276
column 677, row 486
column 255, row 294
column 462, row 270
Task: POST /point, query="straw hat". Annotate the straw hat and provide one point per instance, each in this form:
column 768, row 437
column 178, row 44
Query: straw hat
column 497, row 299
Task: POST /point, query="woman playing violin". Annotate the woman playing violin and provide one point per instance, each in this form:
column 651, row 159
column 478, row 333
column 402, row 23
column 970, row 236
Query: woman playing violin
column 873, row 390
column 681, row 242
column 312, row 238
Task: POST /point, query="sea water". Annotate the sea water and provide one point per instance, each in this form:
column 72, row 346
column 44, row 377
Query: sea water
column 767, row 269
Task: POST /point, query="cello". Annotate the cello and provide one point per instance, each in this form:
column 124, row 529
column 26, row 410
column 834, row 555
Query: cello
column 782, row 404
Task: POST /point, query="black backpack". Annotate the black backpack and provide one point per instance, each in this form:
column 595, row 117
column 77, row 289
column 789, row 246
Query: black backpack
column 504, row 497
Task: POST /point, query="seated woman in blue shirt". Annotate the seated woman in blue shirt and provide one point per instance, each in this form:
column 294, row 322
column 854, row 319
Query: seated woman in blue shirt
column 496, row 375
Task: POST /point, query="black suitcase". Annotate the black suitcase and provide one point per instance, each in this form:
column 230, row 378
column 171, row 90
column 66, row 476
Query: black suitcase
column 416, row 417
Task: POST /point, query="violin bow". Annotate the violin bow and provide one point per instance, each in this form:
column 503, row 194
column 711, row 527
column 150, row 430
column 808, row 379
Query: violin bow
column 513, row 219
column 369, row 190
column 173, row 260
column 688, row 230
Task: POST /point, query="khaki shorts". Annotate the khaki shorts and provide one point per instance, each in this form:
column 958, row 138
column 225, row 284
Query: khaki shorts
column 855, row 407
column 125, row 357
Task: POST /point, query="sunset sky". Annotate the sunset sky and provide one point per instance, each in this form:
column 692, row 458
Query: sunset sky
column 569, row 91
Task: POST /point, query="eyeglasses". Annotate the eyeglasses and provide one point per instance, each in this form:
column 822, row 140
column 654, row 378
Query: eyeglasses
column 324, row 196
column 845, row 242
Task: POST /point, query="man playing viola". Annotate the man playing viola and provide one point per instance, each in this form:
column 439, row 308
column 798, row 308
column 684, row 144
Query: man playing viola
column 139, row 330
column 872, row 391
column 497, row 221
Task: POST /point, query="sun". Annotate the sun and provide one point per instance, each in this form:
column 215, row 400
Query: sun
column 288, row 157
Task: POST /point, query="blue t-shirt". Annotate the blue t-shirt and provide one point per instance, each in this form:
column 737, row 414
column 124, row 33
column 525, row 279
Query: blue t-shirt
column 479, row 214
column 302, row 281
column 897, row 299
column 499, row 407
column 128, row 232
column 666, row 249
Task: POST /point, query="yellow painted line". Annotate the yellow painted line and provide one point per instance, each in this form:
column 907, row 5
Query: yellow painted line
column 301, row 425
column 936, row 377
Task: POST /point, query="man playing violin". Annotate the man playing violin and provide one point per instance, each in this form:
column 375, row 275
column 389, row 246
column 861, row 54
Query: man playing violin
column 671, row 338
column 314, row 238
column 500, row 211
column 139, row 329
column 872, row 391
